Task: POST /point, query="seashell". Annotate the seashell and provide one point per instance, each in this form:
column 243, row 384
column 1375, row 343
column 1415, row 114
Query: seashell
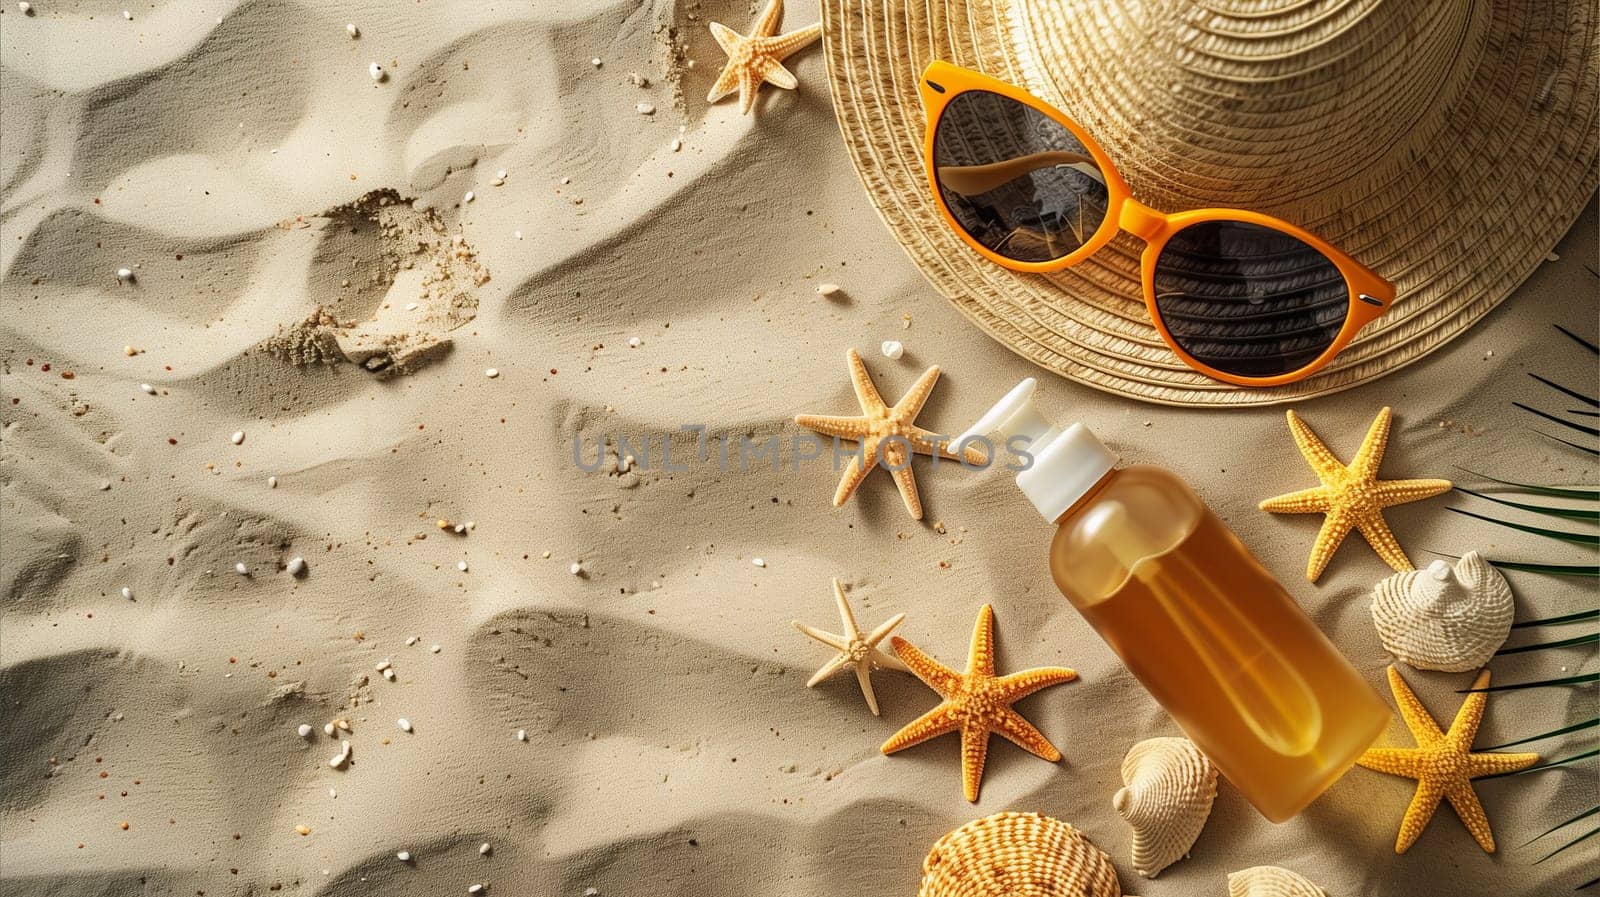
column 1169, row 787
column 1444, row 618
column 1012, row 854
column 1271, row 881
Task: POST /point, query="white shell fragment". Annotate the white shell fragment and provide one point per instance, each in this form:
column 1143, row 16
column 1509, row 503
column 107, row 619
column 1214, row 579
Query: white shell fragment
column 305, row 730
column 827, row 289
column 241, row 569
column 576, row 569
column 522, row 734
column 1448, row 618
column 127, row 593
column 377, row 72
column 125, row 275
column 1168, row 790
column 484, row 849
column 1271, row 881
column 25, row 8
column 645, row 108
column 296, row 566
column 404, row 724
column 491, row 373
column 352, row 30
column 892, row 349
column 237, row 438
column 148, row 388
column 342, row 757
column 475, row 889
column 462, row 566
column 403, row 856
column 327, row 729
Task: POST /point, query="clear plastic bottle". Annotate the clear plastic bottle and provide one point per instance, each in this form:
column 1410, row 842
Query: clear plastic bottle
column 1193, row 615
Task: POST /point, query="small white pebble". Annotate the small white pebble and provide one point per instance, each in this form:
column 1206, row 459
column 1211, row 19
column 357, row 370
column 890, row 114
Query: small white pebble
column 576, row 569
column 435, row 649
column 759, row 562
column 410, row 640
column 389, row 674
column 517, row 234
column 501, row 174
column 522, row 734
column 475, row 889
column 462, row 566
column 383, row 665
column 645, row 109
column 595, row 62
column 591, row 892
column 377, row 72
column 412, row 306
column 469, row 197
column 491, row 373
column 305, row 730
column 677, row 144
column 339, row 759
column 404, row 724
column 892, row 349
column 237, row 438
column 484, row 849
column 127, row 593
column 272, row 482
column 296, row 566
column 403, row 856
column 352, row 30
column 125, row 275
column 25, row 8
column 472, row 525
column 327, row 729
column 151, row 390
column 460, row 529
column 241, row 569
column 634, row 342
column 827, row 289
column 127, row 15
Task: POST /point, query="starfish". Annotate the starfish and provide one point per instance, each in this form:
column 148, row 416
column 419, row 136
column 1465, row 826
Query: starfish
column 1351, row 495
column 855, row 649
column 1442, row 763
column 976, row 703
column 885, row 434
column 759, row 57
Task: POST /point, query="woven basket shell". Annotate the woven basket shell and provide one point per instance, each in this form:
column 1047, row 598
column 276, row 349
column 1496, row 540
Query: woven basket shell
column 1017, row 855
column 1450, row 161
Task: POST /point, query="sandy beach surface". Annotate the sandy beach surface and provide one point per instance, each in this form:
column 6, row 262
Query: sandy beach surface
column 645, row 263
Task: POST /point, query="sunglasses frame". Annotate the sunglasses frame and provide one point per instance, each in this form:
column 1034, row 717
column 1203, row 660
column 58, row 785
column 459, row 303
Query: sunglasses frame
column 1370, row 295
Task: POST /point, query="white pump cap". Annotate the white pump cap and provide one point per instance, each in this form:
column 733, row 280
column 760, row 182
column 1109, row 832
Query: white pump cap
column 1066, row 463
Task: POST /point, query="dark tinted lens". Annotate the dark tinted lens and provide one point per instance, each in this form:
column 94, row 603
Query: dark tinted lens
column 1247, row 299
column 1016, row 180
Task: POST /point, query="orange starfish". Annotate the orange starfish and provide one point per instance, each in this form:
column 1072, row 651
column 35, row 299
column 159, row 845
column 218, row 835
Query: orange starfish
column 1351, row 495
column 885, row 434
column 976, row 703
column 1442, row 763
column 759, row 57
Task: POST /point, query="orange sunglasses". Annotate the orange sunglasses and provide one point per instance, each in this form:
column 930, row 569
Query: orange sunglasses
column 1239, row 296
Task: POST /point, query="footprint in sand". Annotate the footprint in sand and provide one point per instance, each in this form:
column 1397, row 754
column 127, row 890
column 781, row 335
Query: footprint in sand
column 396, row 282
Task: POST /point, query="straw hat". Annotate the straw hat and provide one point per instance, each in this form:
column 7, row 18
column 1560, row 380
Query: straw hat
column 1446, row 144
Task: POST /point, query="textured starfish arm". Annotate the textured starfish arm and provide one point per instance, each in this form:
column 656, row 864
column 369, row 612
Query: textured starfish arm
column 1316, row 454
column 938, row 721
column 866, row 393
column 927, row 442
column 1394, row 761
column 855, row 473
column 884, row 628
column 1306, row 501
column 1017, row 686
column 728, row 39
column 726, row 83
column 837, row 643
column 1370, row 454
column 1418, row 812
column 974, row 754
column 1398, row 492
column 980, row 659
column 1385, row 544
column 748, row 84
column 775, row 74
column 910, row 404
column 1470, row 809
column 1492, row 764
column 864, row 677
column 835, row 425
column 767, row 23
column 1025, row 735
column 938, row 677
column 828, row 669
column 847, row 617
column 1422, row 726
column 1464, row 728
column 785, row 44
column 1334, row 528
column 906, row 482
column 886, row 661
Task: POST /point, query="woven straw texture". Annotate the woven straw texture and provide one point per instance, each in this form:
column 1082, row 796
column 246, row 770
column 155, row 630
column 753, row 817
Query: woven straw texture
column 1448, row 145
column 1017, row 855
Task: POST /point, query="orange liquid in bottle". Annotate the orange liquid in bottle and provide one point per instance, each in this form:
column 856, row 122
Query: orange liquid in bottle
column 1215, row 639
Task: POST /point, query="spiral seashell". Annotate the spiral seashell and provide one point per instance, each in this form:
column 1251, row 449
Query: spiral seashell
column 1271, row 881
column 1449, row 618
column 1017, row 855
column 1168, row 789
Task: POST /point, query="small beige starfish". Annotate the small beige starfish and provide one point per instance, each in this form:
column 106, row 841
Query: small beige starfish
column 885, row 434
column 855, row 649
column 759, row 57
column 1443, row 763
column 1351, row 495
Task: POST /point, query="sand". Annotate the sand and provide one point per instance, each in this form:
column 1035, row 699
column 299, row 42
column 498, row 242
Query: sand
column 281, row 213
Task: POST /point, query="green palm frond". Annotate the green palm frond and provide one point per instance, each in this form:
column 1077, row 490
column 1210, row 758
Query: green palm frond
column 1589, row 400
column 1582, row 494
column 1574, row 538
column 1581, row 428
column 1561, row 825
column 1565, row 730
column 1589, row 639
column 1568, row 444
column 1578, row 617
column 1552, row 569
column 1583, row 679
column 1580, row 340
column 1578, row 840
column 1568, row 513
column 1564, row 761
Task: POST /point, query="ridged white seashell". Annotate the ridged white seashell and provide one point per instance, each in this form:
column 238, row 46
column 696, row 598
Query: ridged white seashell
column 1168, row 789
column 1011, row 854
column 1271, row 881
column 1444, row 618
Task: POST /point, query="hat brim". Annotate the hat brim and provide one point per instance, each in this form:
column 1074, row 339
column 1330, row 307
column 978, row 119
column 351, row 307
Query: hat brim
column 1457, row 233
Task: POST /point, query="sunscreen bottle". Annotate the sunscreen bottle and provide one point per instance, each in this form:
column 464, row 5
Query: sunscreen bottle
column 1192, row 613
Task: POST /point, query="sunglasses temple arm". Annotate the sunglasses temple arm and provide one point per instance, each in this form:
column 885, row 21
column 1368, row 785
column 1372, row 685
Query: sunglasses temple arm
column 974, row 180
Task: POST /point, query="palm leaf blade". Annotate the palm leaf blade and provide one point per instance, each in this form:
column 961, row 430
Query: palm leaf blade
column 1568, row 513
column 1589, row 639
column 1575, row 727
column 1578, row 617
column 1552, row 569
column 1582, row 679
column 1575, row 538
column 1590, row 400
column 1556, row 491
column 1581, row 428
